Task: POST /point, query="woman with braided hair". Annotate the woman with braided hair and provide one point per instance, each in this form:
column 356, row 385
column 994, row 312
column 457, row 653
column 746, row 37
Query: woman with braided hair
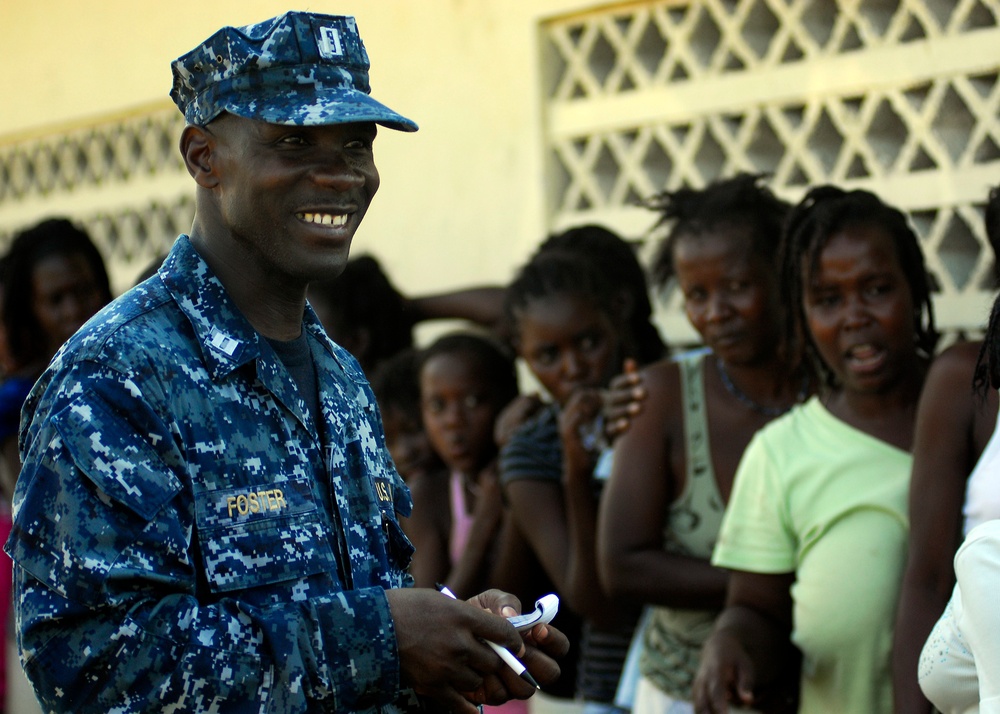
column 815, row 530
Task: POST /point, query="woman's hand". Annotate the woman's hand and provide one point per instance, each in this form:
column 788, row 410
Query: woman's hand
column 623, row 400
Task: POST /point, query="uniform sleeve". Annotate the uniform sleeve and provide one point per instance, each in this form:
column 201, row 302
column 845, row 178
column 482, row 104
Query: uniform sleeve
column 116, row 610
column 755, row 535
column 977, row 567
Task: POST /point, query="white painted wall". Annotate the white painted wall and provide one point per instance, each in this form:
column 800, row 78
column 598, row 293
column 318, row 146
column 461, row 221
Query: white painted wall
column 461, row 200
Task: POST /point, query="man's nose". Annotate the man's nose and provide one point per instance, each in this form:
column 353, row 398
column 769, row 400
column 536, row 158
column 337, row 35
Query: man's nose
column 335, row 170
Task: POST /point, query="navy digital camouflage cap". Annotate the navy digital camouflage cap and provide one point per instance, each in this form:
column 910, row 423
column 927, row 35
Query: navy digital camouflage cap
column 299, row 68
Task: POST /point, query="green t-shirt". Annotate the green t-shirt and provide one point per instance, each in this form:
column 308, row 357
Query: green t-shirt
column 818, row 497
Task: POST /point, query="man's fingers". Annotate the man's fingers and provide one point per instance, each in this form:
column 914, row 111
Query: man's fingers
column 494, row 691
column 452, row 701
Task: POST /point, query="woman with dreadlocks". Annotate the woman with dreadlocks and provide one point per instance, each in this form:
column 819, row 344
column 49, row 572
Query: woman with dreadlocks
column 815, row 531
column 674, row 466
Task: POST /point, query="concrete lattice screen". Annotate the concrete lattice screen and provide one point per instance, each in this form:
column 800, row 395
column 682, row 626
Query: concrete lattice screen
column 123, row 180
column 898, row 97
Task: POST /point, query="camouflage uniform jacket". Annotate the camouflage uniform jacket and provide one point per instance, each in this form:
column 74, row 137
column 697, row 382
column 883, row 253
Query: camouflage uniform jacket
column 187, row 538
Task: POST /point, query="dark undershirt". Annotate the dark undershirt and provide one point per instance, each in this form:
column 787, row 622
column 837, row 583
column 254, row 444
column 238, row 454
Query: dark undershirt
column 297, row 358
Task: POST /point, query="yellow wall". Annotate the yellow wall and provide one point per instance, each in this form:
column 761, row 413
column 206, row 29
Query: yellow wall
column 461, row 200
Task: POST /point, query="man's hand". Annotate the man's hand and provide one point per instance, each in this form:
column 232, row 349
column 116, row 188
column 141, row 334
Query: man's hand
column 443, row 656
column 543, row 643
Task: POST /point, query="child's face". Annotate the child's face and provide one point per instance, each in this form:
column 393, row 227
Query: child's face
column 459, row 408
column 568, row 343
column 859, row 310
column 407, row 442
column 730, row 295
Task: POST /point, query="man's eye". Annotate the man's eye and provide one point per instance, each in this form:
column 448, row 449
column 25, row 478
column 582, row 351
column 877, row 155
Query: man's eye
column 361, row 143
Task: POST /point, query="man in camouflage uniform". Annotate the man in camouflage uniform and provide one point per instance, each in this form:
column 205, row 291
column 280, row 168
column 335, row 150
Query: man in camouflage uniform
column 206, row 520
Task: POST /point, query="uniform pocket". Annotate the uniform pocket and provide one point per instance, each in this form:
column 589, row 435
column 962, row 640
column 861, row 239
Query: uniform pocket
column 117, row 459
column 399, row 546
column 255, row 536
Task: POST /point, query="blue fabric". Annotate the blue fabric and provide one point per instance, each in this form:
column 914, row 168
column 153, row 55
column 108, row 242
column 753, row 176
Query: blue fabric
column 178, row 522
column 13, row 392
column 299, row 68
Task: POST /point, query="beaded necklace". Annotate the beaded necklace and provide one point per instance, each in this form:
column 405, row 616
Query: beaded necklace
column 740, row 395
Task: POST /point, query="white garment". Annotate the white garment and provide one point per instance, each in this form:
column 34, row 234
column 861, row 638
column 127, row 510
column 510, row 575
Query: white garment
column 650, row 699
column 982, row 492
column 960, row 663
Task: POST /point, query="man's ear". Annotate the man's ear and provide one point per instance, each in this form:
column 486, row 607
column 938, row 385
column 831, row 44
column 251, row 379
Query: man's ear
column 198, row 149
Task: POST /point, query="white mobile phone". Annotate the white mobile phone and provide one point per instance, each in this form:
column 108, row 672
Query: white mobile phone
column 546, row 608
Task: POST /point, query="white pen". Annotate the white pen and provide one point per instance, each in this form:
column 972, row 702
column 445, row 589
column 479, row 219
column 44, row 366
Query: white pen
column 505, row 654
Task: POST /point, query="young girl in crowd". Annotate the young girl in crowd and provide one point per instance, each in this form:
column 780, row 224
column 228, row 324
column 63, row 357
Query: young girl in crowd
column 568, row 328
column 674, row 467
column 397, row 389
column 617, row 260
column 815, row 529
column 465, row 380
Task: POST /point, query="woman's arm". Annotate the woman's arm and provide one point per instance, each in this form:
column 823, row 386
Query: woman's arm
column 583, row 587
column 944, row 454
column 482, row 305
column 428, row 527
column 634, row 506
column 746, row 660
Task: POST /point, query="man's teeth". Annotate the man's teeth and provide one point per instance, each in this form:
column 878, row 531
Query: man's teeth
column 325, row 219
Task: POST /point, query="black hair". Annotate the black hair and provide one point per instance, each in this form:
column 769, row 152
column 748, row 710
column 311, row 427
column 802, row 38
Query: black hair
column 363, row 298
column 988, row 364
column 552, row 273
column 617, row 259
column 823, row 212
column 493, row 362
column 991, row 221
column 743, row 204
column 53, row 236
column 396, row 383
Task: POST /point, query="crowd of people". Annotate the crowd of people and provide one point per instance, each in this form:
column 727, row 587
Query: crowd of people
column 241, row 484
column 758, row 484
